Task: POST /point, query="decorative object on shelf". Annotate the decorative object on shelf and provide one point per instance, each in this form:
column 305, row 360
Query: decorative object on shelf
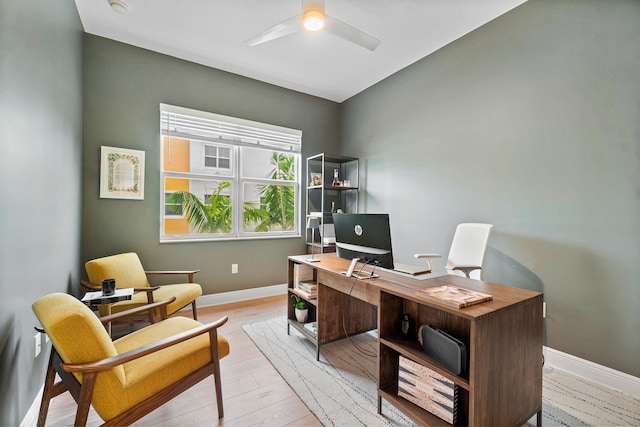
column 121, row 173
column 346, row 183
column 301, row 308
column 428, row 389
column 313, row 223
column 316, row 178
column 336, row 180
column 407, row 328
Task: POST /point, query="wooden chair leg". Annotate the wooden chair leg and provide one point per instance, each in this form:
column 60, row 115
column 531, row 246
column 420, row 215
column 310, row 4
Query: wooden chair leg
column 215, row 361
column 47, row 392
column 84, row 400
column 193, row 308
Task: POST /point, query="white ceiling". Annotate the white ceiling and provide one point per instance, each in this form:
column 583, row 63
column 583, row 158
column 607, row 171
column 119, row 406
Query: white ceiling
column 212, row 33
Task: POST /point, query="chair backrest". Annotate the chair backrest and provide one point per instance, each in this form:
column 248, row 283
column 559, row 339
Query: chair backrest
column 469, row 246
column 76, row 332
column 125, row 268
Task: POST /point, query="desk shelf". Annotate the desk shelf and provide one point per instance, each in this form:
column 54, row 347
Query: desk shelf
column 500, row 349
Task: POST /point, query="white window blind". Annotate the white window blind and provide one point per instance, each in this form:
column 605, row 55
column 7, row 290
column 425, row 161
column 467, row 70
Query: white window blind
column 187, row 123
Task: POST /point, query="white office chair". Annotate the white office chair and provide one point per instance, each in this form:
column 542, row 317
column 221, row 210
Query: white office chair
column 467, row 250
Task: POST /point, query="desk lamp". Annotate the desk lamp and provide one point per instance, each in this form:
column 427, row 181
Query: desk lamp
column 313, row 223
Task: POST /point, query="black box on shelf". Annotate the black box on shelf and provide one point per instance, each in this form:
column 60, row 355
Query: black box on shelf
column 428, row 389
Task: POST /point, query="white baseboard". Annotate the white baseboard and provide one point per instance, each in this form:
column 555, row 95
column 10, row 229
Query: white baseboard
column 592, row 371
column 242, row 295
column 31, row 417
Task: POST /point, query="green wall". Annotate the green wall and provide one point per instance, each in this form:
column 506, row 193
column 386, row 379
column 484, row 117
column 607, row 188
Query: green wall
column 40, row 181
column 123, row 87
column 530, row 123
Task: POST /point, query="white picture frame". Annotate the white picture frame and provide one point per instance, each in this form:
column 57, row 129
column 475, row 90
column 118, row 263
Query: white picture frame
column 121, row 173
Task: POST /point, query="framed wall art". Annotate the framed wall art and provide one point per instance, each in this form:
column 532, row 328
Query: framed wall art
column 121, row 173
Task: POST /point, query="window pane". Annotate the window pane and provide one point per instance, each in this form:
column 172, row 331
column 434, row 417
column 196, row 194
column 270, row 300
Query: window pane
column 210, row 150
column 268, row 208
column 258, row 163
column 224, row 164
column 171, row 208
column 205, row 204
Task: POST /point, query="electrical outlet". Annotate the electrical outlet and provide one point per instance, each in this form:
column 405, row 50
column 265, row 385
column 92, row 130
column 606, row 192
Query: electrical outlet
column 234, row 268
column 37, row 345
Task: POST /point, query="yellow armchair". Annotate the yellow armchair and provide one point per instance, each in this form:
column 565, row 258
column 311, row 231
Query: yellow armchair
column 128, row 272
column 128, row 378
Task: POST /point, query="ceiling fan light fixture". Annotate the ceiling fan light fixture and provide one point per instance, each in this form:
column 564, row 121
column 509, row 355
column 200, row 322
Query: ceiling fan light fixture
column 313, row 20
column 119, row 6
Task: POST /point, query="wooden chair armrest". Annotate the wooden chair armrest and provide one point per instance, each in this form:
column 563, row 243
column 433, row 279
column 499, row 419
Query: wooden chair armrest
column 148, row 290
column 189, row 273
column 105, row 364
column 160, row 304
column 90, row 285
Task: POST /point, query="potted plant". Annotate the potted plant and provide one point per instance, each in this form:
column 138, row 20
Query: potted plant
column 301, row 309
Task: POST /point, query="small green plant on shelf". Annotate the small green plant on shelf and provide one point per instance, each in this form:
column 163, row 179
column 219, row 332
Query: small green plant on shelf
column 300, row 303
column 301, row 310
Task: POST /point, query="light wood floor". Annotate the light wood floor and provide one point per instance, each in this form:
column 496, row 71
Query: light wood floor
column 253, row 391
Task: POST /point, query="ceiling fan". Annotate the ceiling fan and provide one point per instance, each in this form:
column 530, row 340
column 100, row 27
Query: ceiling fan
column 313, row 18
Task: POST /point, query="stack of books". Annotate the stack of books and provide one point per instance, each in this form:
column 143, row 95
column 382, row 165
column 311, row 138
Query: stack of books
column 428, row 389
column 312, row 328
column 306, row 289
column 454, row 296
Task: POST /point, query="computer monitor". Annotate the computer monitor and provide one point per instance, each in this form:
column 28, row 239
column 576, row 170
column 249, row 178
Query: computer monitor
column 364, row 236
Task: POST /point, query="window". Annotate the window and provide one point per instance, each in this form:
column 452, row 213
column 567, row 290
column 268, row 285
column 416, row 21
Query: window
column 217, row 157
column 227, row 178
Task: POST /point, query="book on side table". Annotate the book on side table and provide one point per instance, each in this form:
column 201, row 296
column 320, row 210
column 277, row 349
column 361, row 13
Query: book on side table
column 454, row 296
column 97, row 298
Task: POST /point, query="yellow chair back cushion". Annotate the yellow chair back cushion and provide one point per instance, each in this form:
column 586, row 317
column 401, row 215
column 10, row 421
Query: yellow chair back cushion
column 125, row 268
column 78, row 336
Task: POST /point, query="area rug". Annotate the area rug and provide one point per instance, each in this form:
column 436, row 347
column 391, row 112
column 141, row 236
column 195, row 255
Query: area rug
column 341, row 389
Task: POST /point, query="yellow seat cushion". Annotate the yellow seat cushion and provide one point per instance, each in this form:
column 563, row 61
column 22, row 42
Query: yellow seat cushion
column 185, row 293
column 150, row 374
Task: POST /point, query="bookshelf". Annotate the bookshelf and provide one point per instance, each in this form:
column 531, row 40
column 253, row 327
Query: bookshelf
column 324, row 197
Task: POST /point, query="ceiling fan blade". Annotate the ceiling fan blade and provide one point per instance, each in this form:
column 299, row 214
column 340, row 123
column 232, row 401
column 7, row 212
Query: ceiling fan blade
column 285, row 28
column 347, row 32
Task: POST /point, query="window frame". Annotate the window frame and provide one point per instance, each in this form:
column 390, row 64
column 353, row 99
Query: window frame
column 233, row 174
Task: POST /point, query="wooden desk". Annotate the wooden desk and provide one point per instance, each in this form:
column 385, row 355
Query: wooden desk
column 503, row 385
